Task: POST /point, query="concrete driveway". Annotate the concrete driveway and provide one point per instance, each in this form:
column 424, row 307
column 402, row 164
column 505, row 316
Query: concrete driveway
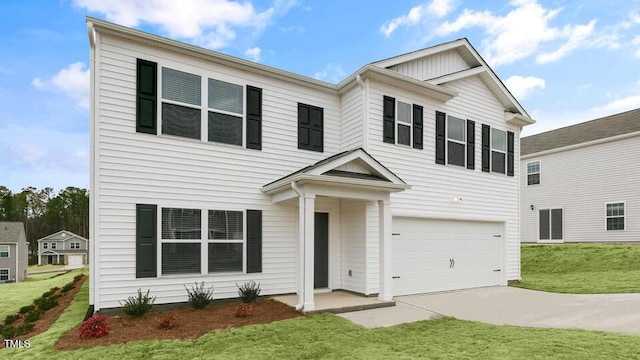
column 508, row 305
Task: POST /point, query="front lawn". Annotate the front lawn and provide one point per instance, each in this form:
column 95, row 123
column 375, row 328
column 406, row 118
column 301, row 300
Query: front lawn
column 13, row 296
column 581, row 268
column 39, row 268
column 327, row 336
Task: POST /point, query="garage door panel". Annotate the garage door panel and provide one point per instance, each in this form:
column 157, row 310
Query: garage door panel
column 437, row 255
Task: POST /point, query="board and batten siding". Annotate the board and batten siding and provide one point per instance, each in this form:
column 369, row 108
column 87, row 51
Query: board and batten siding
column 133, row 168
column 352, row 119
column 485, row 196
column 581, row 181
column 433, row 66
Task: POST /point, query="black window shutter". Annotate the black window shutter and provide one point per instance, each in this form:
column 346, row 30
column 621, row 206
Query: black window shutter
column 146, row 90
column 440, row 137
column 389, row 120
column 510, row 158
column 417, row 126
column 486, row 149
column 146, row 240
column 254, row 241
column 471, row 144
column 254, row 118
column 310, row 128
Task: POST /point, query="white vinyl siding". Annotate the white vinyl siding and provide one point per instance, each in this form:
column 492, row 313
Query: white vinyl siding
column 582, row 181
column 445, row 63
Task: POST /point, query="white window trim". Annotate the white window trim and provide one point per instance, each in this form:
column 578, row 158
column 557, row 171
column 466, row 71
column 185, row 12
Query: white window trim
column 539, row 172
column 8, row 274
column 8, row 251
column 54, row 246
column 398, row 122
column 204, row 102
column 204, row 243
column 45, row 246
column 550, row 241
column 463, row 142
column 624, row 217
column 74, row 245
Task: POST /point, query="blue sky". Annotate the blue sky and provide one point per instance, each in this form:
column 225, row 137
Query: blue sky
column 566, row 61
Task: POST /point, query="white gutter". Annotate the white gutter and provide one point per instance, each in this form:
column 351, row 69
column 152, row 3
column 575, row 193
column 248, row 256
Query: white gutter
column 300, row 303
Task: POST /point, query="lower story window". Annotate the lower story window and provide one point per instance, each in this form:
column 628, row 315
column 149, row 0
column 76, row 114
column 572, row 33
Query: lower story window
column 226, row 241
column 615, row 216
column 551, row 224
column 4, row 274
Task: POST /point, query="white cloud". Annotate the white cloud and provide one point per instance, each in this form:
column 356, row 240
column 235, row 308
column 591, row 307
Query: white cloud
column 521, row 86
column 636, row 42
column 331, row 73
column 635, row 17
column 73, row 81
column 577, row 35
column 435, row 8
column 253, row 54
column 209, row 23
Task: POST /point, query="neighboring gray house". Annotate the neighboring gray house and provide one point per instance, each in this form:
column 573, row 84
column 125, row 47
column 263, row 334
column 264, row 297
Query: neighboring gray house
column 580, row 183
column 13, row 252
column 63, row 247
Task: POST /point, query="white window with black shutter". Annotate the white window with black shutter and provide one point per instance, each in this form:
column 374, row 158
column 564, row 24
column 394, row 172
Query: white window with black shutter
column 497, row 150
column 402, row 123
column 197, row 106
column 455, row 141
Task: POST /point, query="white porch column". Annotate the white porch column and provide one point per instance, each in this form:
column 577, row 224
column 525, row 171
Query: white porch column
column 386, row 251
column 309, row 233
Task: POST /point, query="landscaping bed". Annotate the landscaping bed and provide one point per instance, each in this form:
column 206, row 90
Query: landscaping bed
column 188, row 323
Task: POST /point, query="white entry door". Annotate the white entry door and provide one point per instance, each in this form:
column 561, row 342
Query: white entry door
column 437, row 255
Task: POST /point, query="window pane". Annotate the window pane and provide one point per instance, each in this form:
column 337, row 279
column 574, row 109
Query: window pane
column 180, row 258
column 497, row 162
column 498, row 139
column 181, row 223
column 533, row 179
column 225, row 257
column 225, row 96
column 404, row 112
column 225, row 225
column 455, row 153
column 615, row 223
column 533, row 167
column 4, row 251
column 181, row 86
column 180, row 121
column 455, row 128
column 404, row 134
column 556, row 224
column 544, row 224
column 615, row 209
column 225, row 128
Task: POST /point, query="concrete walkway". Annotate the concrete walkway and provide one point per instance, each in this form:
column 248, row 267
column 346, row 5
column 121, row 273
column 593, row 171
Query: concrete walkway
column 508, row 305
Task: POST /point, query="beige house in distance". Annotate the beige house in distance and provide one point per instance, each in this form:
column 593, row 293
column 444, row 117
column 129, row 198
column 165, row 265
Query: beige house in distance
column 64, row 248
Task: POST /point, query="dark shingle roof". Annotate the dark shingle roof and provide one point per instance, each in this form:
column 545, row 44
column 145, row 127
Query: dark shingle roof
column 612, row 125
column 10, row 231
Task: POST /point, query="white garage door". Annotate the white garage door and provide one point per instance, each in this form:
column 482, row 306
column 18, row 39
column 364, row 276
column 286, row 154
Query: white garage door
column 436, row 255
column 75, row 259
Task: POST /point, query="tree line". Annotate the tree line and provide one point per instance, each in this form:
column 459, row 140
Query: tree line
column 44, row 212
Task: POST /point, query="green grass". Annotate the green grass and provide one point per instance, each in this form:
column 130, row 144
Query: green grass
column 327, row 336
column 36, row 268
column 15, row 295
column 581, row 268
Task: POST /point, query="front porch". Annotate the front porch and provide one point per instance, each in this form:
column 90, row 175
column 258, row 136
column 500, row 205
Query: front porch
column 337, row 302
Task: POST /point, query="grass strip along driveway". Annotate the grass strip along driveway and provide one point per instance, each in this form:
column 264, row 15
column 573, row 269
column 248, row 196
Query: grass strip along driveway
column 581, row 268
column 327, row 336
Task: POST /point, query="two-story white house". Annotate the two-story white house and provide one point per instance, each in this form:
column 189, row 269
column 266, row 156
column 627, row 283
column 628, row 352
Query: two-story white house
column 401, row 179
column 580, row 182
column 63, row 248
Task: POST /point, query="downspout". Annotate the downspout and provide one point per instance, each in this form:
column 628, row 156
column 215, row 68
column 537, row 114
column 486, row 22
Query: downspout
column 295, row 188
column 365, row 108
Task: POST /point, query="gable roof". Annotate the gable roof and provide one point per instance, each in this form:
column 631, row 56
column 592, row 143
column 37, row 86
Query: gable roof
column 477, row 66
column 609, row 126
column 62, row 235
column 10, row 231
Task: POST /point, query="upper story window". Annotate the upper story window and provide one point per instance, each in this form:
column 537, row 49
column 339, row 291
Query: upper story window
column 533, row 173
column 54, row 246
column 402, row 123
column 45, row 245
column 498, row 150
column 456, row 141
column 224, row 113
column 4, row 251
column 310, row 127
column 615, row 216
column 75, row 245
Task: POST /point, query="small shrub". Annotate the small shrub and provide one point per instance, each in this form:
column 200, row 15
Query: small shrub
column 33, row 315
column 244, row 310
column 249, row 291
column 27, row 308
column 50, row 292
column 199, row 297
column 24, row 329
column 10, row 319
column 94, row 327
column 139, row 305
column 168, row 322
column 78, row 278
column 46, row 303
column 68, row 287
column 8, row 332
